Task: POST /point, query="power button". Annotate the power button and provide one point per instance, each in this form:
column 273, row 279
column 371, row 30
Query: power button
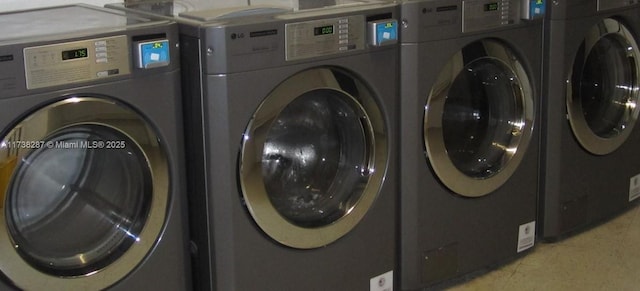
column 153, row 54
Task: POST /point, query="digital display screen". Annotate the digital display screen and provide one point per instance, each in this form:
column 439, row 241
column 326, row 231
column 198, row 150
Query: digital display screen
column 491, row 6
column 75, row 54
column 323, row 30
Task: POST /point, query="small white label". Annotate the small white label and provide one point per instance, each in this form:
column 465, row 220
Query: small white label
column 634, row 188
column 526, row 236
column 383, row 282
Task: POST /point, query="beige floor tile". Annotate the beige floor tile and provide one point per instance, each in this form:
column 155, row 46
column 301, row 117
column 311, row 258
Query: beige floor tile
column 605, row 257
column 601, row 235
column 540, row 256
column 623, row 279
column 495, row 280
column 538, row 282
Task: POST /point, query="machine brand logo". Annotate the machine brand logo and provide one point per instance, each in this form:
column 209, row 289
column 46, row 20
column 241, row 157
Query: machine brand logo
column 252, row 34
column 6, row 58
column 235, row 36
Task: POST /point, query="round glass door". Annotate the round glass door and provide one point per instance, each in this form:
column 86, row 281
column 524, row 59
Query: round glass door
column 80, row 195
column 67, row 188
column 313, row 158
column 602, row 98
column 479, row 119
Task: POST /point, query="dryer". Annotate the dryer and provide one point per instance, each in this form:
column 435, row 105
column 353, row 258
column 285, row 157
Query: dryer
column 91, row 152
column 590, row 171
column 470, row 84
column 293, row 135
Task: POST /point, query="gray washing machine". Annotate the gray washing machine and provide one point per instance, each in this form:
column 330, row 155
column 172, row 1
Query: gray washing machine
column 91, row 152
column 590, row 169
column 470, row 84
column 293, row 145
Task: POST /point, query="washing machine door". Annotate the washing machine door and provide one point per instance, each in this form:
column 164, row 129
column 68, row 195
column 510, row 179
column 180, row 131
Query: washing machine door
column 83, row 195
column 314, row 157
column 478, row 118
column 602, row 97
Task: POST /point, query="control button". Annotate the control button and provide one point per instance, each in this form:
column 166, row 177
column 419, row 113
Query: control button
column 102, row 60
column 101, row 49
column 101, row 55
column 101, row 43
column 153, row 54
column 108, row 73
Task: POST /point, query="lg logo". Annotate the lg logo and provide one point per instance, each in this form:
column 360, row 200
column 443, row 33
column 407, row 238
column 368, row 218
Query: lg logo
column 235, row 36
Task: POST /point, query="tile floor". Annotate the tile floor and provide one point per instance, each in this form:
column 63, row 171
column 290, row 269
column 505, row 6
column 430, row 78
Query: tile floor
column 605, row 257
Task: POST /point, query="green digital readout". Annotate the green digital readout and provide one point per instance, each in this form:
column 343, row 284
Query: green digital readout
column 75, row 54
column 491, row 6
column 323, row 30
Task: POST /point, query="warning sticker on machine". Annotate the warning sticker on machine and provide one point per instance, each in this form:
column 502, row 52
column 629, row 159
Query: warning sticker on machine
column 526, row 236
column 634, row 188
column 383, row 282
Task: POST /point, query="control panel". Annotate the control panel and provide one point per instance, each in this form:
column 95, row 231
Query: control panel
column 485, row 14
column 323, row 37
column 78, row 61
column 614, row 4
column 91, row 59
column 478, row 15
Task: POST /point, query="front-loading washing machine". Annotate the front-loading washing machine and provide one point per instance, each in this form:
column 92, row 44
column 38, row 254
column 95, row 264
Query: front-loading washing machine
column 292, row 144
column 589, row 168
column 91, row 152
column 470, row 83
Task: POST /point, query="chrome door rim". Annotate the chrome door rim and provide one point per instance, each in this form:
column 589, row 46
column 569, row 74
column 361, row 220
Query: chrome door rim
column 24, row 275
column 586, row 137
column 436, row 151
column 251, row 180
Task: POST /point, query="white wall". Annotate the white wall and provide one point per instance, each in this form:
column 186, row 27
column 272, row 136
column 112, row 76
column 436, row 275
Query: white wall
column 8, row 5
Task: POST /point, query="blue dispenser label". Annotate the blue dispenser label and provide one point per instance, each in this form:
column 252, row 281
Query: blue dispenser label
column 383, row 32
column 387, row 32
column 154, row 54
column 537, row 8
